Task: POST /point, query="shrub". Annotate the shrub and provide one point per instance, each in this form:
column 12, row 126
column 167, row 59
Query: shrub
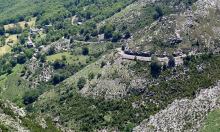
column 159, row 12
column 81, row 83
column 30, row 97
column 103, row 63
column 91, row 76
column 57, row 78
column 21, row 59
column 58, row 64
column 51, row 51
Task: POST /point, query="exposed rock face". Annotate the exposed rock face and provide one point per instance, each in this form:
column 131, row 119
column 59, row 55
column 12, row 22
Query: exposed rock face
column 204, row 6
column 183, row 115
column 110, row 89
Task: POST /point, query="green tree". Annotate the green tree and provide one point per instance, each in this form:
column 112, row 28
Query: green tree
column 29, row 53
column 57, row 78
column 108, row 30
column 58, row 64
column 155, row 68
column 171, row 62
column 30, row 96
column 51, row 50
column 2, row 30
column 159, row 12
column 85, row 51
column 116, row 37
column 127, row 35
column 42, row 58
column 21, row 59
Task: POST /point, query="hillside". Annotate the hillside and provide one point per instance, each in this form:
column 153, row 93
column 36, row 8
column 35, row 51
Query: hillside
column 103, row 65
column 14, row 118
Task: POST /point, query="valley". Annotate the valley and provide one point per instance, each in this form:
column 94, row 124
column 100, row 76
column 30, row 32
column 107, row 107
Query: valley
column 100, row 65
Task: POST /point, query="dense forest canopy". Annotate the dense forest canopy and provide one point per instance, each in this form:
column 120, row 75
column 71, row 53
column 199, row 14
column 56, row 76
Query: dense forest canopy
column 14, row 11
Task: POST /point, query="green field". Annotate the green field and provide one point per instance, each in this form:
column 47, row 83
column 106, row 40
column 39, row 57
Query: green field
column 70, row 59
column 12, row 86
column 212, row 123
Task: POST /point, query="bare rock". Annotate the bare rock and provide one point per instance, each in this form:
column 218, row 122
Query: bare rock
column 183, row 115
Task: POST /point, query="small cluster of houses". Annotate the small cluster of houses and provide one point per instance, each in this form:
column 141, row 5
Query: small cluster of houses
column 33, row 31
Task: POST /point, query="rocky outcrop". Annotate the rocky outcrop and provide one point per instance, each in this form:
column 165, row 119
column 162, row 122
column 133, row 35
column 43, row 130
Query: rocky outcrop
column 183, row 115
column 60, row 45
column 113, row 81
column 203, row 6
column 10, row 116
column 198, row 25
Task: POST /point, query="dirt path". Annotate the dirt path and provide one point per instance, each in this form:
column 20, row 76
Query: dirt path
column 73, row 19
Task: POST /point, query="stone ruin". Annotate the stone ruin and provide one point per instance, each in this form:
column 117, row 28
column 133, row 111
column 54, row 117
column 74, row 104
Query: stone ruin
column 38, row 72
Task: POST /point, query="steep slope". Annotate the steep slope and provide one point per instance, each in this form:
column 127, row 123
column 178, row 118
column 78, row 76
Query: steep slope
column 14, row 118
column 197, row 27
column 185, row 114
column 127, row 85
column 70, row 75
column 142, row 13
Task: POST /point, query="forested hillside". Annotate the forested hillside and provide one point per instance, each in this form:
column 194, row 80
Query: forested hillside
column 109, row 65
column 54, row 10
